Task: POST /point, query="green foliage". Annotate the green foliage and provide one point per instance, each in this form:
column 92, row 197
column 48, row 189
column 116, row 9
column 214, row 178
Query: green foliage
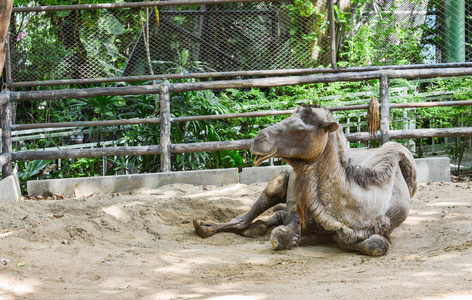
column 32, row 169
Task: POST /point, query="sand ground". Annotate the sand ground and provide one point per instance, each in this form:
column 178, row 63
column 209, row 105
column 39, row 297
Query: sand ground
column 142, row 245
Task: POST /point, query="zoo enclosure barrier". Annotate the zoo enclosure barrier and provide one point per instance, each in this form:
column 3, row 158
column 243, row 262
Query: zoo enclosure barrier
column 114, row 42
column 164, row 89
column 111, row 42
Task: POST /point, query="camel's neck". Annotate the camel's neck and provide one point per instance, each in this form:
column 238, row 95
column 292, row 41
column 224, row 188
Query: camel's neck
column 325, row 176
column 330, row 164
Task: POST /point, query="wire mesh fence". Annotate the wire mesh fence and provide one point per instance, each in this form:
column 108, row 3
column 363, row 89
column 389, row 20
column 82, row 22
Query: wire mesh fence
column 179, row 39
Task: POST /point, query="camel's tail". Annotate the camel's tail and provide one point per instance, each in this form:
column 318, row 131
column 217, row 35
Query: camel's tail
column 408, row 168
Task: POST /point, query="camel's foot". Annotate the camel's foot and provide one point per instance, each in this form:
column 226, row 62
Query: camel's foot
column 282, row 238
column 257, row 228
column 375, row 245
column 205, row 229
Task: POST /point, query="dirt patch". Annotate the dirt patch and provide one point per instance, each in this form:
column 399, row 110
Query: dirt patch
column 142, row 246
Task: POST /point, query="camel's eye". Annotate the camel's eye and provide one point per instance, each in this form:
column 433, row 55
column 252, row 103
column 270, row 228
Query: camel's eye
column 298, row 131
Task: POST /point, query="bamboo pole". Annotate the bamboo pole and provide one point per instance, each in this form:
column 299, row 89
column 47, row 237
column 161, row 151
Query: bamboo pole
column 128, row 5
column 233, row 74
column 165, row 128
column 241, row 83
column 384, row 110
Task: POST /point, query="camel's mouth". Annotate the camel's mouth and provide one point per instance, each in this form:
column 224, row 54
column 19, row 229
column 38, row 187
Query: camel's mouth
column 260, row 158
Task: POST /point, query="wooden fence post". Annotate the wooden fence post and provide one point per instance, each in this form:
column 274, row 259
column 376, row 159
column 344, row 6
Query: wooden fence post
column 7, row 146
column 165, row 126
column 384, row 110
column 332, row 33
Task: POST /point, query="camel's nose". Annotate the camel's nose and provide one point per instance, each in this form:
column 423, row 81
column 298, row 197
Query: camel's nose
column 262, row 136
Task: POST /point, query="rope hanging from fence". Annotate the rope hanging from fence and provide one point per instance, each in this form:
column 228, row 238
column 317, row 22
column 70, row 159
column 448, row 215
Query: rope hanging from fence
column 373, row 118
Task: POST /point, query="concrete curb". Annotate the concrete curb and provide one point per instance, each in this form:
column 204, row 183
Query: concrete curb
column 10, row 189
column 431, row 169
column 125, row 183
column 434, row 169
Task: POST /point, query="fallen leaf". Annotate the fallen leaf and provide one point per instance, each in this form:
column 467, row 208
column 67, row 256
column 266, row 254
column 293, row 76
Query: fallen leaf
column 76, row 191
column 124, row 287
column 21, row 264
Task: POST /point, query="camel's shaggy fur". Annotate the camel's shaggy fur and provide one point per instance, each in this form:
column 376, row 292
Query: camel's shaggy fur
column 353, row 198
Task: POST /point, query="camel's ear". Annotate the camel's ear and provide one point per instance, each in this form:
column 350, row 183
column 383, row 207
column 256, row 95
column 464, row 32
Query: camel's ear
column 330, row 126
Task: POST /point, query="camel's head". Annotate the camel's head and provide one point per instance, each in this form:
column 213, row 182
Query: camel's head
column 301, row 137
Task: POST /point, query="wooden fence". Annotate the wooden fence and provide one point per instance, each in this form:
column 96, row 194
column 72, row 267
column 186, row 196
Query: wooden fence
column 165, row 148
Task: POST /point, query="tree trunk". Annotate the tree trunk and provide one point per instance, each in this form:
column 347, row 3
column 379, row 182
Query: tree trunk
column 5, row 13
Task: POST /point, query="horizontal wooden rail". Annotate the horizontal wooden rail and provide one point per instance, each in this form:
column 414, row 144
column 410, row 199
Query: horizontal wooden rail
column 86, row 123
column 430, row 104
column 413, row 134
column 429, row 133
column 227, row 116
column 324, row 78
column 81, row 153
column 212, row 146
column 238, row 84
column 221, row 145
column 127, row 5
column 283, row 72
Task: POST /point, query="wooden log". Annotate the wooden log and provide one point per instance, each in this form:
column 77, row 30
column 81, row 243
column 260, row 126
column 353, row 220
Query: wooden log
column 384, row 110
column 414, row 134
column 232, row 74
column 212, row 146
column 86, row 123
column 7, row 146
column 430, row 104
column 362, row 136
column 4, row 97
column 5, row 159
column 324, row 78
column 165, row 128
column 233, row 116
column 332, row 33
column 80, row 153
column 241, row 83
column 84, row 93
column 5, row 14
column 128, row 5
column 223, row 145
column 432, row 132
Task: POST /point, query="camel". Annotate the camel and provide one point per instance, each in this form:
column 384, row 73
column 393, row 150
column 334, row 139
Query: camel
column 332, row 194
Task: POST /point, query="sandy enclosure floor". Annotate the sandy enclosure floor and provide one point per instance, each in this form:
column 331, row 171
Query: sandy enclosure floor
column 142, row 245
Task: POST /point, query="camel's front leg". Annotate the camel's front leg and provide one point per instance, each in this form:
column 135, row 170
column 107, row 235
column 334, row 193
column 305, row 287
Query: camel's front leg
column 274, row 193
column 286, row 236
column 375, row 245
